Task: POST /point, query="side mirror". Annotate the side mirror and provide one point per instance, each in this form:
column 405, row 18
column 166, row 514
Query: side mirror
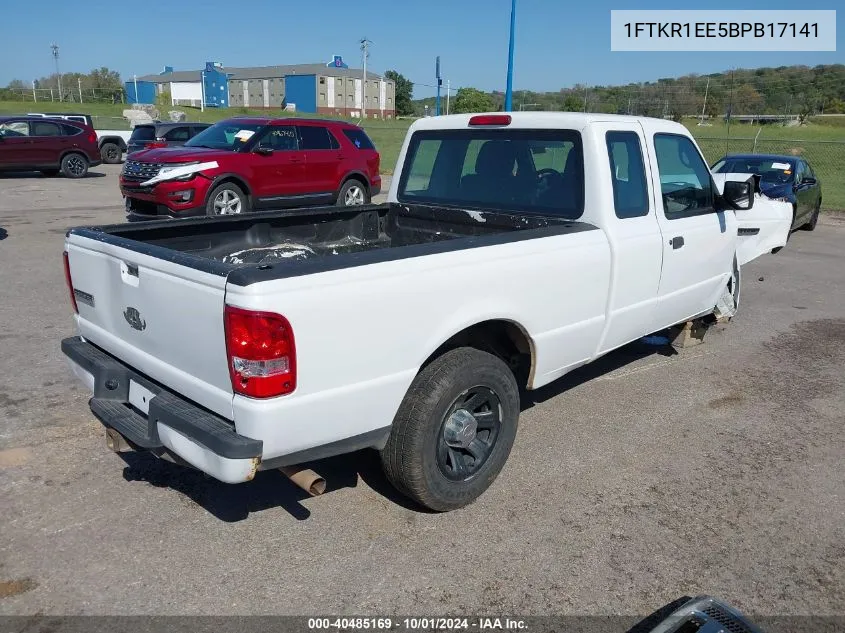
column 808, row 181
column 738, row 195
column 264, row 151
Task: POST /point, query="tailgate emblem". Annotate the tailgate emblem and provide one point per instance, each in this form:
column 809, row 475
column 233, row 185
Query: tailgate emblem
column 133, row 318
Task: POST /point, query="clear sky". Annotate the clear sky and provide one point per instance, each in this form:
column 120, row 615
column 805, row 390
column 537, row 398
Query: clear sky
column 558, row 43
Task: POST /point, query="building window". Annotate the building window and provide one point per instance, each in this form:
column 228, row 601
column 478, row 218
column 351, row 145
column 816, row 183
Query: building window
column 322, row 96
column 322, row 80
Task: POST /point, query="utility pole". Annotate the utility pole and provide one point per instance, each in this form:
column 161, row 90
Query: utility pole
column 202, row 91
column 79, row 83
column 585, row 98
column 34, row 96
column 55, row 48
column 509, row 89
column 704, row 107
column 365, row 44
column 448, row 92
column 135, row 80
column 438, row 82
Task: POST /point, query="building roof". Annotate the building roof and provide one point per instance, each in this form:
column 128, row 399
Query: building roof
column 263, row 72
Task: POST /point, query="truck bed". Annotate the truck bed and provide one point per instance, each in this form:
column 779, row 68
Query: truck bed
column 279, row 244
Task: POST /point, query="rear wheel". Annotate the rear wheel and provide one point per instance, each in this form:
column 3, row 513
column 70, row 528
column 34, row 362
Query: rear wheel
column 353, row 193
column 74, row 166
column 226, row 199
column 110, row 153
column 814, row 219
column 454, row 429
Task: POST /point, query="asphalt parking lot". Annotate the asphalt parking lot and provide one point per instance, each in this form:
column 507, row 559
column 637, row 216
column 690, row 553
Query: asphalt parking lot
column 641, row 478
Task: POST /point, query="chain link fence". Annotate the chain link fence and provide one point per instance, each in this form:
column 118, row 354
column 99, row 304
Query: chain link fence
column 827, row 158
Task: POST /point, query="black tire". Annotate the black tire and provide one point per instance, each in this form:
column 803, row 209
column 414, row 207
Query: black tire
column 353, row 193
column 230, row 196
column 74, row 165
column 811, row 225
column 50, row 172
column 417, row 459
column 111, row 153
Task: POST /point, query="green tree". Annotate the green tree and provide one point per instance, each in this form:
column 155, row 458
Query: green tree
column 17, row 84
column 471, row 100
column 404, row 92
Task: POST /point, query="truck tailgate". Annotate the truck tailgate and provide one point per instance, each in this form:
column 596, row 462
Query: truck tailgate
column 162, row 318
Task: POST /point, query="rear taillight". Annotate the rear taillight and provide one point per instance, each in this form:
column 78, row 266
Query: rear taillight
column 69, row 282
column 261, row 353
column 155, row 144
column 92, row 137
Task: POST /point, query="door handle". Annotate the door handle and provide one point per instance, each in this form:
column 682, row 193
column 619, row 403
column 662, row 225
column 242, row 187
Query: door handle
column 295, row 160
column 677, row 242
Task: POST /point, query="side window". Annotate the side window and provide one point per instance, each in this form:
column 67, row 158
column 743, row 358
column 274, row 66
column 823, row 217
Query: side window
column 800, row 172
column 280, row 138
column 71, row 130
column 685, row 181
column 45, row 128
column 177, row 134
column 313, row 137
column 627, row 172
column 11, row 129
column 808, row 173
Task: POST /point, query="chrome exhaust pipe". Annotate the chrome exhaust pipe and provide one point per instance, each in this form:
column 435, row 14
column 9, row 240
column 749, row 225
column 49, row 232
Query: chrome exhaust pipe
column 305, row 478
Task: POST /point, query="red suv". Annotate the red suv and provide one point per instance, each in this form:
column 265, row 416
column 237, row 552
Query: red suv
column 49, row 146
column 244, row 164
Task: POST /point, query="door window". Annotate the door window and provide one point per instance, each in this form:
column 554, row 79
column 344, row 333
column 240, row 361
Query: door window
column 685, row 182
column 314, row 137
column 11, row 129
column 45, row 128
column 280, row 139
column 178, row 134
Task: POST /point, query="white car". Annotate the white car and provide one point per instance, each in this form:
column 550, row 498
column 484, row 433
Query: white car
column 513, row 249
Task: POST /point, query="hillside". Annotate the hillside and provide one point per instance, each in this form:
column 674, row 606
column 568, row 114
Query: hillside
column 797, row 90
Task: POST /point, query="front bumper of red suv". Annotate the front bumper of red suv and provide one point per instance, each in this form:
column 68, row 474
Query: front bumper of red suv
column 168, row 199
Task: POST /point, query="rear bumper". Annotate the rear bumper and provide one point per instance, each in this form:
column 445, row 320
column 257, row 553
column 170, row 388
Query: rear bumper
column 152, row 418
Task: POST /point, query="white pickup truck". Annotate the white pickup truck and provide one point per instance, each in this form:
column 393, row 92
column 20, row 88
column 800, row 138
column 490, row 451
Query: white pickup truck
column 513, row 249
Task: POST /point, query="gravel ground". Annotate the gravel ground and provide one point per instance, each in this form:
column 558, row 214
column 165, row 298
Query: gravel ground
column 635, row 480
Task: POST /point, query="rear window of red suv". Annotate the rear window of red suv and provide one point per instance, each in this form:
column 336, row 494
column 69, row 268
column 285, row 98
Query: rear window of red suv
column 359, row 138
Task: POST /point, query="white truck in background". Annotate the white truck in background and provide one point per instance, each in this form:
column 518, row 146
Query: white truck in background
column 112, row 143
column 513, row 249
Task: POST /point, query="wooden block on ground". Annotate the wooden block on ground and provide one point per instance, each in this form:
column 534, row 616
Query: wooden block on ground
column 689, row 334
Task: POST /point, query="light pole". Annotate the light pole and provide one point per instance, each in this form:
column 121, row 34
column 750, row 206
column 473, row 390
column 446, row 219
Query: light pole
column 509, row 90
column 55, row 48
column 439, row 81
column 365, row 44
column 135, row 80
column 448, row 92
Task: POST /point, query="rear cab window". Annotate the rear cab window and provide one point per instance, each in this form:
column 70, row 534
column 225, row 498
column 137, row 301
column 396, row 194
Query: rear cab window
column 358, row 138
column 627, row 173
column 540, row 171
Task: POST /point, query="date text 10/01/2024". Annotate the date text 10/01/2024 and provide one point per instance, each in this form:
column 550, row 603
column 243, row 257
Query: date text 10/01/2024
column 721, row 29
column 411, row 624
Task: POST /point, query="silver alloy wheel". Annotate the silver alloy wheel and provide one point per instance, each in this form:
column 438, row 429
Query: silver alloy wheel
column 354, row 196
column 227, row 202
column 76, row 165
